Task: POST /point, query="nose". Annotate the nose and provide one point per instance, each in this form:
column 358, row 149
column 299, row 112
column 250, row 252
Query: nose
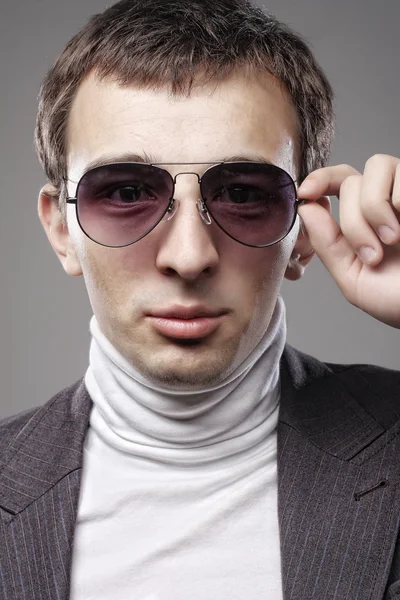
column 187, row 246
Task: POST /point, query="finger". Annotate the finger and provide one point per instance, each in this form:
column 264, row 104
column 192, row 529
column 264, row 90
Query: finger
column 353, row 224
column 328, row 241
column 376, row 195
column 396, row 191
column 325, row 181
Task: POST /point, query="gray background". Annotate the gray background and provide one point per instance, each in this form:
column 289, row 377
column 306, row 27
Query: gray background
column 45, row 314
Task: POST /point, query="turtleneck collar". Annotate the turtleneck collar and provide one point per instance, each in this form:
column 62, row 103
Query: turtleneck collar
column 136, row 417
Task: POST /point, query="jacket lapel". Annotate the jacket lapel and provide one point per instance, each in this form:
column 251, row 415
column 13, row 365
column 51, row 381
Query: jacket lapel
column 39, row 492
column 337, row 476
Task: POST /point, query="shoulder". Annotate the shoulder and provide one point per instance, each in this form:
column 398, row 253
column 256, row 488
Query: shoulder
column 308, row 368
column 61, row 406
column 374, row 388
column 11, row 426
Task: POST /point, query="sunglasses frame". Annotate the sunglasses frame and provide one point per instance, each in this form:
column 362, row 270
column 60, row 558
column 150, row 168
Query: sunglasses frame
column 170, row 206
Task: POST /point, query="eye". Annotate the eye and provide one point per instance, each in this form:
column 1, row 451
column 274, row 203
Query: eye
column 129, row 194
column 126, row 194
column 241, row 195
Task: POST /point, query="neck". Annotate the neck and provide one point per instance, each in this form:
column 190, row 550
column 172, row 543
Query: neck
column 161, row 425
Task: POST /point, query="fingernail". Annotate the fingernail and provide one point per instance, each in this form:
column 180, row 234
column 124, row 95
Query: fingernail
column 367, row 254
column 386, row 234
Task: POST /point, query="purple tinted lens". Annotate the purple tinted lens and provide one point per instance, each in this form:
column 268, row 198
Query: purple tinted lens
column 120, row 203
column 255, row 203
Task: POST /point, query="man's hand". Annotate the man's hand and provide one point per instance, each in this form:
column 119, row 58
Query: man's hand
column 361, row 254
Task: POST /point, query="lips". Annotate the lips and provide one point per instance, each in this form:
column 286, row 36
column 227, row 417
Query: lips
column 187, row 312
column 187, row 322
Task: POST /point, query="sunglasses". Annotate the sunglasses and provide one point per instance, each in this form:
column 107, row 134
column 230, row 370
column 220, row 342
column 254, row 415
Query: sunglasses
column 118, row 204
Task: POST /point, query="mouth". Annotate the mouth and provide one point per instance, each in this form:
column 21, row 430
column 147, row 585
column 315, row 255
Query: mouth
column 186, row 342
column 188, row 331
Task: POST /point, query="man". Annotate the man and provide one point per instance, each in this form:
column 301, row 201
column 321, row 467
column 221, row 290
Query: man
column 201, row 456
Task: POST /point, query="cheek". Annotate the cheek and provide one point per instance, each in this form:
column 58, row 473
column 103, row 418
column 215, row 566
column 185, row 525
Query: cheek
column 267, row 266
column 101, row 264
column 284, row 251
column 113, row 276
column 266, row 275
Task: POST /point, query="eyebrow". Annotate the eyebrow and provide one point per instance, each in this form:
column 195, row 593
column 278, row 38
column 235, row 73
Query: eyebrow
column 153, row 160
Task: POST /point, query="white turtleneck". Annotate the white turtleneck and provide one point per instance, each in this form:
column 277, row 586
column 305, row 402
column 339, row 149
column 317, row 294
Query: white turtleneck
column 179, row 489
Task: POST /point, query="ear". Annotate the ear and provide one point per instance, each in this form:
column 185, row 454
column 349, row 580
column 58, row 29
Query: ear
column 57, row 231
column 303, row 251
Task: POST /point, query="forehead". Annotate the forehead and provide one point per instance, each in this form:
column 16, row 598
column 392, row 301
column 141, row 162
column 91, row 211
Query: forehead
column 234, row 117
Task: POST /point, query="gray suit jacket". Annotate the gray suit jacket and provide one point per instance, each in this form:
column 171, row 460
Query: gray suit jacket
column 338, row 485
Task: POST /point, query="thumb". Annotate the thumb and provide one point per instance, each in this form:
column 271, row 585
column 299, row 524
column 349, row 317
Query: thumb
column 327, row 238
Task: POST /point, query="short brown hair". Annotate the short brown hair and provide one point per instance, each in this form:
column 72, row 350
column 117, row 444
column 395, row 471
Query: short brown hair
column 180, row 43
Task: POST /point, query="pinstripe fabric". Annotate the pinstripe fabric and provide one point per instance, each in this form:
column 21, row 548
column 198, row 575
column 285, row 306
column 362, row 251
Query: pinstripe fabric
column 338, row 436
column 37, row 541
column 39, row 492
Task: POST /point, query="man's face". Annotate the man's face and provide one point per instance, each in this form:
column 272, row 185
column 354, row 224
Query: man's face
column 182, row 261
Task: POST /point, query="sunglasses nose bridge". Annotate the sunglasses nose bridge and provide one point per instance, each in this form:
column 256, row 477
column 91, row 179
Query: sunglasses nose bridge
column 187, row 173
column 203, row 212
column 174, row 179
